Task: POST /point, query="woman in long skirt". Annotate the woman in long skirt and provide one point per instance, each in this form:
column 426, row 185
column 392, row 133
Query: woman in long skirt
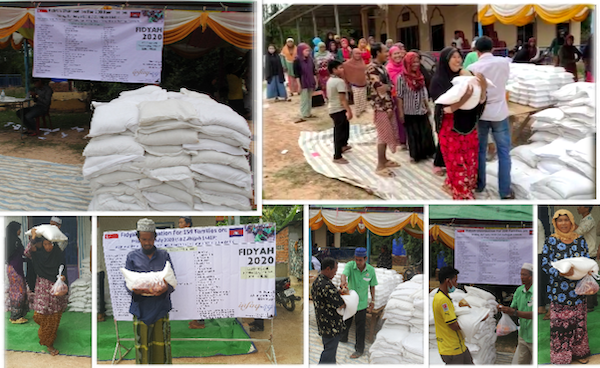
column 304, row 68
column 274, row 75
column 289, row 52
column 568, row 310
column 17, row 290
column 48, row 308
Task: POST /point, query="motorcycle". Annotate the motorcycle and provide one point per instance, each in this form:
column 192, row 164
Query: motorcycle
column 284, row 293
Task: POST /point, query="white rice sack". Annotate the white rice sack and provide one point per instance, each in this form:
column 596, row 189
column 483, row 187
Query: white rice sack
column 527, row 154
column 172, row 206
column 49, row 232
column 579, row 110
column 567, row 183
column 414, row 344
column 114, row 178
column 210, row 112
column 549, row 115
column 237, row 201
column 213, row 145
column 584, row 150
column 113, row 118
column 224, row 173
column 351, row 307
column 555, row 149
column 581, row 167
column 573, row 91
column 147, row 280
column 161, row 126
column 174, row 173
column 543, row 136
column 141, row 91
column 459, row 88
column 470, row 323
column 154, row 111
column 581, row 267
column 480, row 293
column 169, row 190
column 156, row 162
column 107, row 145
column 223, row 188
column 220, row 158
column 176, row 150
column 157, row 95
column 169, row 138
column 221, row 131
column 105, row 164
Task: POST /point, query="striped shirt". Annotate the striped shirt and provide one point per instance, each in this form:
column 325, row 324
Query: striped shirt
column 413, row 102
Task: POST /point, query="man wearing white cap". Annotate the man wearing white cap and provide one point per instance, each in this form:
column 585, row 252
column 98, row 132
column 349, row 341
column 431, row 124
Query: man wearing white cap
column 150, row 313
column 57, row 221
column 522, row 307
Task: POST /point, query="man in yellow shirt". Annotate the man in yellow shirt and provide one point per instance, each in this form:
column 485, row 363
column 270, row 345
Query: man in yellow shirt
column 451, row 343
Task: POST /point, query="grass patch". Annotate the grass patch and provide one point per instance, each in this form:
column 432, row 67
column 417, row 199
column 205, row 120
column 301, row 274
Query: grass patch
column 297, row 175
column 77, row 147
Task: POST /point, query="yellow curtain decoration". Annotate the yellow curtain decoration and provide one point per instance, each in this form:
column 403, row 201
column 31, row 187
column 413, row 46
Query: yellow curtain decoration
column 4, row 32
column 520, row 15
column 438, row 234
column 241, row 40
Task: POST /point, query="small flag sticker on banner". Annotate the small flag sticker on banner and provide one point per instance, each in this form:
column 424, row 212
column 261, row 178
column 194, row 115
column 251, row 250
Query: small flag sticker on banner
column 111, row 236
column 236, row 232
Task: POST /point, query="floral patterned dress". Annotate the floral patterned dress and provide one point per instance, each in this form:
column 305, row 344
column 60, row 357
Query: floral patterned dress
column 568, row 311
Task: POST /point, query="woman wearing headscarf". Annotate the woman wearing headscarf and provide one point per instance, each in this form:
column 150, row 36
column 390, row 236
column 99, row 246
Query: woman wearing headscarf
column 316, row 41
column 569, row 55
column 345, row 49
column 330, row 38
column 352, row 43
column 336, row 52
column 354, row 74
column 322, row 58
column 48, row 308
column 529, row 53
column 289, row 52
column 588, row 59
column 457, row 128
column 17, row 290
column 394, row 67
column 413, row 108
column 274, row 75
column 365, row 51
column 304, row 68
column 568, row 310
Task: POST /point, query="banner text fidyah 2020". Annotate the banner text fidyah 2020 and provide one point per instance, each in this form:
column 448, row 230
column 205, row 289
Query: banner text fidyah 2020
column 222, row 271
column 100, row 45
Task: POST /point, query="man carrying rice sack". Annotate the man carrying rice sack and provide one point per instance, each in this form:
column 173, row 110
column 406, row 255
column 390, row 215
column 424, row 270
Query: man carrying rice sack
column 359, row 276
column 150, row 308
column 327, row 299
column 450, row 341
column 49, row 302
column 568, row 310
column 522, row 307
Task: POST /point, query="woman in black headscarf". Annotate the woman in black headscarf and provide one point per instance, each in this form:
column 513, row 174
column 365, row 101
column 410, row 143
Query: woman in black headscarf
column 274, row 75
column 48, row 307
column 17, row 291
column 385, row 258
column 457, row 128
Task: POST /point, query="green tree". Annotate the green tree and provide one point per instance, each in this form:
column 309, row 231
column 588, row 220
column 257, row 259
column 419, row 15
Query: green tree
column 435, row 248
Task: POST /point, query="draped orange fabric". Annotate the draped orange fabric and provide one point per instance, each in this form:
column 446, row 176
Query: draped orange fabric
column 4, row 32
column 241, row 40
column 181, row 32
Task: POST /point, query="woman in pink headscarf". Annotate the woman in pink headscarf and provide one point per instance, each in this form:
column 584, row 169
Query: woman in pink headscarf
column 394, row 68
column 346, row 49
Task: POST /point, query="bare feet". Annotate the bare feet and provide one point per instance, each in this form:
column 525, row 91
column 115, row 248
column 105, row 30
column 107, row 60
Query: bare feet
column 385, row 172
column 340, row 161
column 390, row 163
column 52, row 351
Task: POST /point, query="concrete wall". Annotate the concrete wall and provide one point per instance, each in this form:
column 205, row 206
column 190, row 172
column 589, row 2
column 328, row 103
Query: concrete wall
column 282, row 252
column 320, row 237
column 285, row 240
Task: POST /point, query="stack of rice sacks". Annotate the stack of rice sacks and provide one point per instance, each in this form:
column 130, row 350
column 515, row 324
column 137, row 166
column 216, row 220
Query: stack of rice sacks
column 532, row 85
column 559, row 163
column 400, row 340
column 167, row 151
column 80, row 290
column 480, row 336
column 386, row 282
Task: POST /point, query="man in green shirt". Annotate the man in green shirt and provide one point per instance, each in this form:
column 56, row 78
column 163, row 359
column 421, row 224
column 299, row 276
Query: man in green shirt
column 471, row 56
column 522, row 306
column 359, row 276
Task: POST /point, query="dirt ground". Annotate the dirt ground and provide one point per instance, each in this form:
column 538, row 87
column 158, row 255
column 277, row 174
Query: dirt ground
column 54, row 148
column 17, row 359
column 288, row 339
column 288, row 175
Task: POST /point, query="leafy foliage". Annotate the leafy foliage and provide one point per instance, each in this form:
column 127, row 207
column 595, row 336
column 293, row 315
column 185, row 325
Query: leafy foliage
column 435, row 248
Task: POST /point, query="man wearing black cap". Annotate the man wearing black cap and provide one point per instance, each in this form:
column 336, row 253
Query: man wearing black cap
column 359, row 276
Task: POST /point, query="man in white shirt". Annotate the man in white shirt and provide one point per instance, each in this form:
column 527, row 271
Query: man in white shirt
column 587, row 228
column 458, row 40
column 495, row 114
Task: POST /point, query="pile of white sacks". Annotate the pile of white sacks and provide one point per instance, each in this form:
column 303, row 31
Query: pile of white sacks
column 560, row 161
column 532, row 85
column 386, row 282
column 80, row 290
column 480, row 335
column 400, row 340
column 167, row 151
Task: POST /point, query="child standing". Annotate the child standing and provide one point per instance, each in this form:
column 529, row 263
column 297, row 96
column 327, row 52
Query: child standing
column 339, row 110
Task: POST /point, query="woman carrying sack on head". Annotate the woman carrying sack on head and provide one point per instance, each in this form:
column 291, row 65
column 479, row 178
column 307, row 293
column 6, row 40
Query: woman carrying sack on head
column 48, row 308
column 17, row 291
column 568, row 310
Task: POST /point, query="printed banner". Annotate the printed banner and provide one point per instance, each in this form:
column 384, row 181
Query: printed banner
column 221, row 271
column 100, row 45
column 492, row 256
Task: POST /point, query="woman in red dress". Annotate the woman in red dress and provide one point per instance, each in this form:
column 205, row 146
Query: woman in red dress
column 457, row 128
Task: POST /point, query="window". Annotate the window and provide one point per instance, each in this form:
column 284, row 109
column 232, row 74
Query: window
column 409, row 36
column 437, row 37
column 525, row 32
